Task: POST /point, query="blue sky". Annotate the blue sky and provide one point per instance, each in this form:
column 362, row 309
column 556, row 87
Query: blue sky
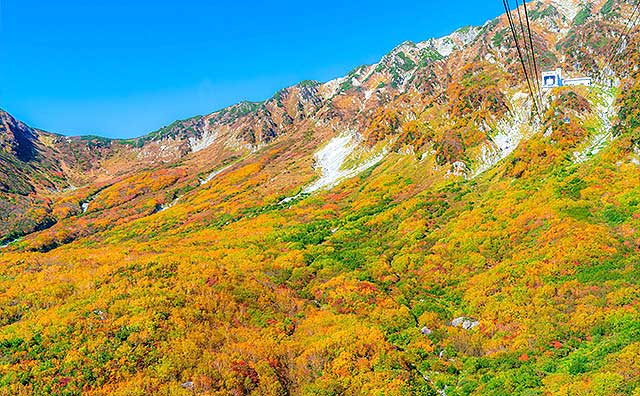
column 123, row 68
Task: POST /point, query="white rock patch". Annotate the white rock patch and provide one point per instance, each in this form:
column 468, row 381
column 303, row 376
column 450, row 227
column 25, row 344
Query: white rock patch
column 169, row 205
column 207, row 140
column 213, row 174
column 9, row 242
column 458, row 169
column 331, row 158
column 448, row 44
column 444, row 46
column 204, row 181
column 85, row 204
column 605, row 111
column 330, row 161
column 568, row 8
column 636, row 159
column 508, row 135
column 367, row 94
column 329, row 89
column 465, row 323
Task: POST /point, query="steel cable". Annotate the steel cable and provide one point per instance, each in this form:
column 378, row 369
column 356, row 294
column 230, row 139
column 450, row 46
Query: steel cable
column 524, row 67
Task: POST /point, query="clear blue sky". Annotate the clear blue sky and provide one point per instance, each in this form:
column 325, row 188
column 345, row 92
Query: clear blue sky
column 122, row 68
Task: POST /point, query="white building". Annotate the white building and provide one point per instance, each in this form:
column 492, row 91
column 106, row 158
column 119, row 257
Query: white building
column 553, row 79
column 578, row 81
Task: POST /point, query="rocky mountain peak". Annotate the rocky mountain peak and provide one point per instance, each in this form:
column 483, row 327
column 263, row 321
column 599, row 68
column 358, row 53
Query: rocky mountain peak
column 17, row 138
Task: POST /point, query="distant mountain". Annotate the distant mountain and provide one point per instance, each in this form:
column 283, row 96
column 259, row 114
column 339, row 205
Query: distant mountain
column 410, row 228
column 409, row 96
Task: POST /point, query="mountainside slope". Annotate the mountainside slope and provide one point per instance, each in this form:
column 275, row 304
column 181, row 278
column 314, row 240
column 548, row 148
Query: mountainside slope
column 424, row 96
column 410, row 228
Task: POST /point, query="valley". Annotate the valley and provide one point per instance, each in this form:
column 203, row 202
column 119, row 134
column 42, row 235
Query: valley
column 410, row 228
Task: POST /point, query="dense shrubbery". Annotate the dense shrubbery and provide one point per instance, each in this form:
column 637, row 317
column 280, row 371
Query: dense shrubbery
column 404, row 280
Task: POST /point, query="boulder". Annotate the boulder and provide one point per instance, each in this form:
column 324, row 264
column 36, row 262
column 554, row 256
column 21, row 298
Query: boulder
column 426, row 331
column 187, row 385
column 465, row 322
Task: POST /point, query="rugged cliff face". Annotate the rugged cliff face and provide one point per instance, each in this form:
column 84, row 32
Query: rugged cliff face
column 410, row 228
column 472, row 74
column 458, row 99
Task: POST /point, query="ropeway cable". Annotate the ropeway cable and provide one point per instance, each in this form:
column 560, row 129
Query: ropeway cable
column 618, row 45
column 613, row 52
column 524, row 67
column 527, row 53
column 533, row 55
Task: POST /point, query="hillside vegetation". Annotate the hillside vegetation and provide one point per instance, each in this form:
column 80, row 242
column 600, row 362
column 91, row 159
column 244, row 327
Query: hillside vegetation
column 409, row 229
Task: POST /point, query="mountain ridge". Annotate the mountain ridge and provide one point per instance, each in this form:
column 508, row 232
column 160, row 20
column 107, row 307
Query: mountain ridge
column 158, row 132
column 354, row 102
column 411, row 228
